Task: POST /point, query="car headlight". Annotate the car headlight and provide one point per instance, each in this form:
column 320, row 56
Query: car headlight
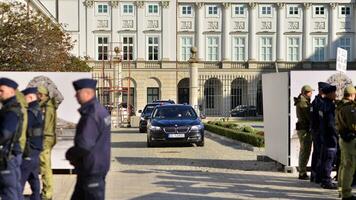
column 197, row 127
column 155, row 128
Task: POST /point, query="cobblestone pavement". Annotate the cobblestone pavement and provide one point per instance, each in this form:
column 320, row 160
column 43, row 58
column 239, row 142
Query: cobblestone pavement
column 220, row 170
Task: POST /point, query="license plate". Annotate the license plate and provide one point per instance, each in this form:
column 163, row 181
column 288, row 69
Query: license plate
column 176, row 136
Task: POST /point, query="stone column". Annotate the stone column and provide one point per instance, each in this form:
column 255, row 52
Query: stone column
column 252, row 32
column 199, row 28
column 332, row 31
column 226, row 32
column 140, row 16
column 90, row 24
column 193, row 80
column 280, row 30
column 166, row 29
column 306, row 32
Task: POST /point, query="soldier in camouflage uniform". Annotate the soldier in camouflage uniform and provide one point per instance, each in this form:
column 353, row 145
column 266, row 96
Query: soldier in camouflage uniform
column 49, row 107
column 346, row 124
column 302, row 103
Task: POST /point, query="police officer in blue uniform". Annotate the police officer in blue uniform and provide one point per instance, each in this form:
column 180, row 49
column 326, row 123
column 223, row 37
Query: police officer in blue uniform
column 11, row 119
column 90, row 154
column 30, row 163
column 315, row 126
column 329, row 137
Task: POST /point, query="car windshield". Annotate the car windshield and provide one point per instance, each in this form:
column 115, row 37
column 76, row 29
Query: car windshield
column 175, row 112
column 149, row 109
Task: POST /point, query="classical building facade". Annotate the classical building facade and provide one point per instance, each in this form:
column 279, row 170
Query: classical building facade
column 236, row 41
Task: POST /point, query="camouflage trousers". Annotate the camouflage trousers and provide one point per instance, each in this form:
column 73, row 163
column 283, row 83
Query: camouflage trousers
column 305, row 140
column 347, row 167
column 46, row 167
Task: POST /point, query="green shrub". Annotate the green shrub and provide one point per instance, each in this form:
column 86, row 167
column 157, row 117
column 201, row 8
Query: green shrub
column 248, row 129
column 249, row 138
column 261, row 133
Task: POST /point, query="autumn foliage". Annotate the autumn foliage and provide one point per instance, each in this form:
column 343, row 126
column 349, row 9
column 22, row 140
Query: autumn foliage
column 31, row 41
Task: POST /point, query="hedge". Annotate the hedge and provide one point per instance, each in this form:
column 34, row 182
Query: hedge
column 249, row 138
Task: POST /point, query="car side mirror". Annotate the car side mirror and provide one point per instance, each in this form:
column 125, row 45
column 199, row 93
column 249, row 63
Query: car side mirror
column 139, row 111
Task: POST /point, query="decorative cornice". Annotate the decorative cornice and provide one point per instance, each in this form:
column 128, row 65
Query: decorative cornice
column 281, row 5
column 333, row 5
column 307, row 5
column 199, row 4
column 164, row 4
column 88, row 3
column 114, row 4
column 252, row 4
column 226, row 5
column 139, row 4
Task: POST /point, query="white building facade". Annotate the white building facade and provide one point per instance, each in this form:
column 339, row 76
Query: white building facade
column 236, row 41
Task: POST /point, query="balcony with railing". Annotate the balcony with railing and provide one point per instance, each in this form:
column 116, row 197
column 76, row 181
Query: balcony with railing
column 265, row 65
column 153, row 65
column 212, row 65
column 239, row 65
column 128, row 64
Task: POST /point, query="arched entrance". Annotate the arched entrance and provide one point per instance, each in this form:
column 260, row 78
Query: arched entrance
column 213, row 97
column 183, row 91
column 238, row 92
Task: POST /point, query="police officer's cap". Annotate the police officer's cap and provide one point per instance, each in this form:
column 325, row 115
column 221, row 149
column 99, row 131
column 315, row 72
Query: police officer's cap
column 42, row 89
column 30, row 90
column 307, row 88
column 350, row 90
column 329, row 89
column 321, row 85
column 84, row 83
column 8, row 82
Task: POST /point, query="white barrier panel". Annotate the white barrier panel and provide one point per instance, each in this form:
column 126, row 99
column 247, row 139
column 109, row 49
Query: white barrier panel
column 275, row 112
column 279, row 119
column 68, row 108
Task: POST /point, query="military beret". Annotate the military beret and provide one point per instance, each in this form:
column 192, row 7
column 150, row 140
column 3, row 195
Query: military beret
column 329, row 89
column 8, row 82
column 321, row 85
column 84, row 83
column 30, row 90
column 350, row 90
column 307, row 88
column 42, row 89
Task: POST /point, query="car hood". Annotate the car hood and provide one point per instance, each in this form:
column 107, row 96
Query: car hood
column 166, row 123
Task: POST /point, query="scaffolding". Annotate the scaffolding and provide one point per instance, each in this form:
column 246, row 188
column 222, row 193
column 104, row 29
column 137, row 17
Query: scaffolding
column 110, row 84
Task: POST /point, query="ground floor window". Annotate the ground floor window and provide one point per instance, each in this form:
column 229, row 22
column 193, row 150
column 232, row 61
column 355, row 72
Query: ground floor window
column 152, row 94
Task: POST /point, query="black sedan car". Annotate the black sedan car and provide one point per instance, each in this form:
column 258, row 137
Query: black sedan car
column 175, row 123
column 147, row 111
column 145, row 115
column 244, row 111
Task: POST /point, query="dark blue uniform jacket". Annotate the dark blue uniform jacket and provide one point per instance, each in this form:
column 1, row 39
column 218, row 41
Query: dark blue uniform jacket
column 92, row 143
column 316, row 106
column 34, row 128
column 328, row 130
column 9, row 122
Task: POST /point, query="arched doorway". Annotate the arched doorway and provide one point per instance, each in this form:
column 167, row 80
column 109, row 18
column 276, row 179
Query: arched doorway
column 238, row 92
column 183, row 91
column 213, row 97
column 153, row 89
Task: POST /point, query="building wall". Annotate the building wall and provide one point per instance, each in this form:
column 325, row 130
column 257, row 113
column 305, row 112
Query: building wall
column 241, row 40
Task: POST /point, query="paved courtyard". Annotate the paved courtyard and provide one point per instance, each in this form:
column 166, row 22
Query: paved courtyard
column 220, row 170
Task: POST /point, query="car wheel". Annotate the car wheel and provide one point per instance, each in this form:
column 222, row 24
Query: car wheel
column 201, row 143
column 149, row 142
column 142, row 130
